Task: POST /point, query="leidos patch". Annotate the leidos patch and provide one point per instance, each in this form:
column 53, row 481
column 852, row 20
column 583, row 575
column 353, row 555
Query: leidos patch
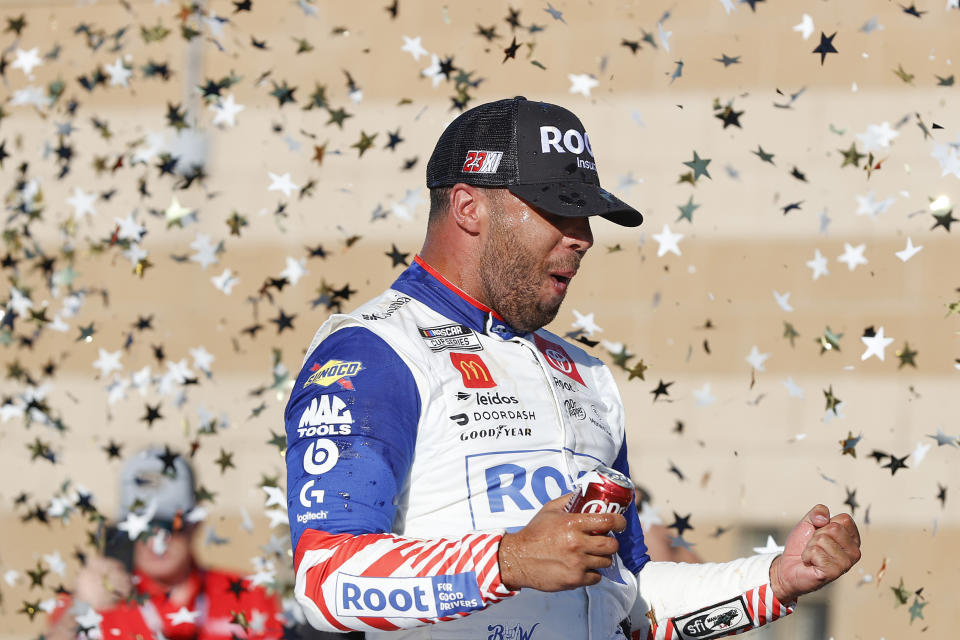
column 713, row 622
column 482, row 161
column 334, row 371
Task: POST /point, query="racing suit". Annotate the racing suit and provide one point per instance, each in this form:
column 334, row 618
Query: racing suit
column 420, row 430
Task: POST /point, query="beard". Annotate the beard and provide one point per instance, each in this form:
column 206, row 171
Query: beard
column 514, row 280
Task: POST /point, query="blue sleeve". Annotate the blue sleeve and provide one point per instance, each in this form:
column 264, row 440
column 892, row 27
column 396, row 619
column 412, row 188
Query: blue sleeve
column 351, row 426
column 633, row 551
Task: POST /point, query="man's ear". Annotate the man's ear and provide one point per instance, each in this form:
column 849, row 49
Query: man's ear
column 468, row 206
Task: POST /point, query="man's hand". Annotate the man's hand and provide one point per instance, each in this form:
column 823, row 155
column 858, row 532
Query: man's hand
column 819, row 550
column 559, row 550
column 102, row 583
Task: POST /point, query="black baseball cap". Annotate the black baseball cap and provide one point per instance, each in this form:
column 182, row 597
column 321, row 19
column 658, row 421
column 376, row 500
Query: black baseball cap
column 539, row 151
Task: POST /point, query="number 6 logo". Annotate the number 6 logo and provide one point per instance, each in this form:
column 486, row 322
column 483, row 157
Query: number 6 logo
column 320, row 456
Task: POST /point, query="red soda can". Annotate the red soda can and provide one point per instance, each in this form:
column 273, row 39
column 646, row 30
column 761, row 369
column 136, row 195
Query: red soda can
column 603, row 490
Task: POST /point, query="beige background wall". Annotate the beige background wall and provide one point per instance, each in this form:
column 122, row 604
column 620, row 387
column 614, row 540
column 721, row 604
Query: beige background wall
column 754, row 460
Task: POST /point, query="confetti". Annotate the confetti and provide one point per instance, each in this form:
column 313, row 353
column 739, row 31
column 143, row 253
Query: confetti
column 176, row 230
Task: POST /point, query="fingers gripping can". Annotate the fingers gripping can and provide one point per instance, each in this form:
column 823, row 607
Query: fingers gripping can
column 603, row 490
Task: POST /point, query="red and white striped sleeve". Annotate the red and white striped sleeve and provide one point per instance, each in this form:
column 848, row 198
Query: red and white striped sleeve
column 381, row 581
column 679, row 601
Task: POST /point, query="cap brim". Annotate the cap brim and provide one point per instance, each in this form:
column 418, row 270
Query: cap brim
column 576, row 200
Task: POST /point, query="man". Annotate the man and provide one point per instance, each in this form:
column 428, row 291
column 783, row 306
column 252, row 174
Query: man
column 167, row 594
column 433, row 432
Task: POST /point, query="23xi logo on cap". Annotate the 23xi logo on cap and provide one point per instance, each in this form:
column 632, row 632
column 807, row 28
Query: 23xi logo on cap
column 482, row 161
column 474, row 371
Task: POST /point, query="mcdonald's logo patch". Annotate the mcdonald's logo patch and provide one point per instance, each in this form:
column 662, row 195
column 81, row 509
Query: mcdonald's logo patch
column 474, row 371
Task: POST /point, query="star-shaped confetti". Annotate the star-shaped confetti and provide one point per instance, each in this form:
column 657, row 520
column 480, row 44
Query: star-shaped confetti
column 686, row 210
column 364, row 143
column 225, row 461
column 667, row 241
column 756, row 359
column 943, row 219
column 875, row 342
column 661, row 390
column 283, row 321
column 582, row 83
column 907, row 356
column 916, row 13
column 832, row 401
column 829, row 341
column 943, row 439
column 852, row 256
column 727, row 61
column 637, row 371
column 909, row 251
column 901, row 594
column 818, row 264
column 849, row 444
column 825, row 46
column 698, row 165
column 896, row 463
column 680, row 523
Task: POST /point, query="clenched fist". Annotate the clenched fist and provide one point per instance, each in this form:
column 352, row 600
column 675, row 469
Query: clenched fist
column 819, row 550
column 559, row 550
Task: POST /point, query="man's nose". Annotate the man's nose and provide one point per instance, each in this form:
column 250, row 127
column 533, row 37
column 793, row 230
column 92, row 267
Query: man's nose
column 578, row 234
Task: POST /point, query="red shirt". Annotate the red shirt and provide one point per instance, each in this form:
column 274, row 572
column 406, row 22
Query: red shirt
column 219, row 606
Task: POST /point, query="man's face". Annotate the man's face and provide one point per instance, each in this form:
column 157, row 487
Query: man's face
column 528, row 258
column 166, row 560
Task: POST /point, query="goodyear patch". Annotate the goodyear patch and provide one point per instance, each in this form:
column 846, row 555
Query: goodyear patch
column 334, row 371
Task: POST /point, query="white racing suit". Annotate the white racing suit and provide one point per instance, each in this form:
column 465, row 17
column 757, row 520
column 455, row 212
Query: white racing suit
column 420, row 429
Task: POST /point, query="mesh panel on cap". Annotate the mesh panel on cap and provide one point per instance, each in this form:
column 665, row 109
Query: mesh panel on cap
column 487, row 127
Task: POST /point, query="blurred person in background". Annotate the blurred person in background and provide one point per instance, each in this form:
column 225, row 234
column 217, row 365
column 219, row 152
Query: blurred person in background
column 150, row 585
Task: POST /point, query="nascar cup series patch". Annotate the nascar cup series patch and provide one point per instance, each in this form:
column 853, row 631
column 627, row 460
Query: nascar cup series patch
column 450, row 336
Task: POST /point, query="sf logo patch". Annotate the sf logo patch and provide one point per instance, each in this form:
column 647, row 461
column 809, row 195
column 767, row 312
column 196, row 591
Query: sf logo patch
column 474, row 371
